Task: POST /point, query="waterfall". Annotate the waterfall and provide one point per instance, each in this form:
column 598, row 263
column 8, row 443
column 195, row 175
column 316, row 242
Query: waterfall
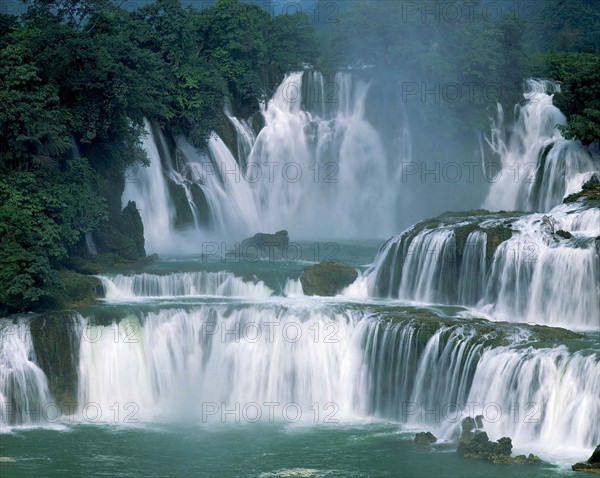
column 23, row 385
column 230, row 363
column 538, row 167
column 179, row 362
column 182, row 284
column 147, row 187
column 184, row 363
column 409, row 367
column 531, row 272
column 544, row 395
column 428, row 269
column 472, row 274
column 317, row 164
column 525, row 278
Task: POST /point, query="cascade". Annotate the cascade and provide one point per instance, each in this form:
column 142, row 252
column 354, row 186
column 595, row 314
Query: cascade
column 538, row 167
column 23, row 385
column 188, row 363
column 524, row 279
column 303, row 171
column 182, row 284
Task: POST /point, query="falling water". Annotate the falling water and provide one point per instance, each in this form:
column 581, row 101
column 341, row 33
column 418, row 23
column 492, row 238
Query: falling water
column 23, row 385
column 538, row 167
column 182, row 284
column 316, row 165
column 524, row 280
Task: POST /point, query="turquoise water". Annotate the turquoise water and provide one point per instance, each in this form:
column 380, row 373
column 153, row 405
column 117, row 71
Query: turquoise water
column 369, row 450
column 187, row 447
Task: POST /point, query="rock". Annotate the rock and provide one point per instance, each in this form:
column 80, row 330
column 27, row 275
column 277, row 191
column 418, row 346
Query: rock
column 123, row 235
column 595, row 458
column 564, row 234
column 479, row 421
column 269, row 245
column 480, row 446
column 592, row 465
column 327, row 278
column 56, row 345
column 468, row 426
column 474, row 443
column 425, row 438
column 77, row 289
column 533, row 459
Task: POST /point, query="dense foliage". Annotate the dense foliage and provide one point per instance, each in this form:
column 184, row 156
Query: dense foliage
column 78, row 77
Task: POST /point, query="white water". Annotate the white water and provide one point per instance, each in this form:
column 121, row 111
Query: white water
column 532, row 272
column 179, row 362
column 147, row 187
column 428, row 266
column 547, row 396
column 23, row 385
column 472, row 273
column 525, row 281
column 316, row 168
column 241, row 363
column 182, row 284
column 517, row 186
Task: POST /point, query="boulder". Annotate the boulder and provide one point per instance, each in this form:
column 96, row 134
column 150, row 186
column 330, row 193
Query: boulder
column 425, row 438
column 592, row 465
column 327, row 278
column 564, row 234
column 269, row 245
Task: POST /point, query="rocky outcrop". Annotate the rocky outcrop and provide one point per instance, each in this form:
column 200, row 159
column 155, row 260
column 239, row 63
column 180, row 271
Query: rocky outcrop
column 56, row 345
column 327, row 278
column 269, row 245
column 475, row 443
column 564, row 234
column 123, row 236
column 592, row 465
column 425, row 438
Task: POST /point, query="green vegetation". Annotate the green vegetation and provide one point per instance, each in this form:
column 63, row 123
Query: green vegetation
column 579, row 99
column 77, row 79
column 589, row 193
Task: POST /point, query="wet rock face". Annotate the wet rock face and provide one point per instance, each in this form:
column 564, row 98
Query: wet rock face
column 327, row 278
column 592, row 465
column 56, row 346
column 425, row 438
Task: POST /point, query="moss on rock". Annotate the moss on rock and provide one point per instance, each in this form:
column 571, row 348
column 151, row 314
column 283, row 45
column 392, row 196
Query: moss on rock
column 77, row 289
column 56, row 344
column 123, row 236
column 590, row 193
column 327, row 278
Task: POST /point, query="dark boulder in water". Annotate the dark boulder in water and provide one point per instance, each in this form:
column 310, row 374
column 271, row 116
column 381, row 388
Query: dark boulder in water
column 327, row 278
column 267, row 245
column 425, row 438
